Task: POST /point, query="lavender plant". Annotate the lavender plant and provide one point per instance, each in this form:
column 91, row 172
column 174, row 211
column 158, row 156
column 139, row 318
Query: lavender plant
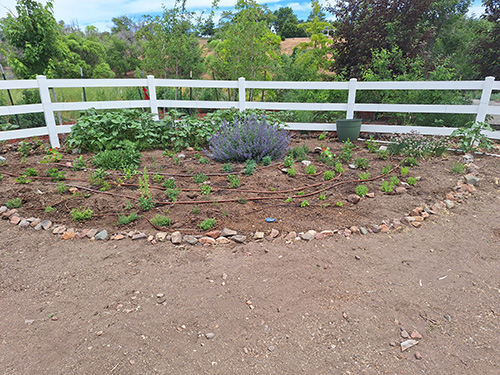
column 250, row 138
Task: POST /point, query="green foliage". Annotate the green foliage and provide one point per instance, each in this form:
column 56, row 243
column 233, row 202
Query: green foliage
column 56, row 175
column 412, row 181
column 123, row 158
column 304, row 203
column 288, row 161
column 299, row 153
column 362, row 190
column 205, row 189
column 386, row 169
column 227, row 168
column 79, row 164
column 14, row 203
column 471, row 139
column 291, row 172
column 207, row 224
column 361, row 163
column 328, row 175
column 50, row 209
column 234, row 181
column 80, row 214
column 310, row 169
column 127, row 219
column 172, row 194
column 457, row 168
column 200, row 178
column 266, row 160
column 364, row 176
column 250, row 166
column 161, row 221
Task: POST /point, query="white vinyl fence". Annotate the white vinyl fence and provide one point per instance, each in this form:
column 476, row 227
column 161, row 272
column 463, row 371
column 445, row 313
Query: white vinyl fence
column 48, row 107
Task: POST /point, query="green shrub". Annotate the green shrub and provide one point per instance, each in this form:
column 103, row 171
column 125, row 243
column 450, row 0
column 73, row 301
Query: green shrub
column 207, row 224
column 161, row 221
column 79, row 214
column 14, row 203
column 124, row 219
column 362, row 190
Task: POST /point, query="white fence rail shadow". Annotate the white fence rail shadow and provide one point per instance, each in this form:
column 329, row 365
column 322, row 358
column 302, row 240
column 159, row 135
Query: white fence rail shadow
column 481, row 109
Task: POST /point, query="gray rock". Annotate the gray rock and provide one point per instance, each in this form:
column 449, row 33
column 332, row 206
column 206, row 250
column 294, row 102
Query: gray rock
column 449, row 204
column 226, row 232
column 139, row 236
column 176, row 238
column 192, row 240
column 309, row 235
column 471, row 179
column 239, row 238
column 363, row 230
column 102, row 235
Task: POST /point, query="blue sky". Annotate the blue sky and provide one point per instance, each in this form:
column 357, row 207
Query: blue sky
column 100, row 12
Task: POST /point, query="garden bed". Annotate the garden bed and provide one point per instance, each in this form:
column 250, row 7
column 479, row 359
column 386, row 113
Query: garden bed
column 294, row 203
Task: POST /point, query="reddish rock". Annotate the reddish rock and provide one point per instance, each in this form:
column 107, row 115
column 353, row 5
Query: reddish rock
column 214, row 234
column 207, row 241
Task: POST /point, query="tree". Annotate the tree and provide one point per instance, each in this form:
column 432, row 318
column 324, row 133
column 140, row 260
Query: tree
column 286, row 23
column 35, row 43
column 170, row 43
column 364, row 25
column 487, row 47
column 245, row 47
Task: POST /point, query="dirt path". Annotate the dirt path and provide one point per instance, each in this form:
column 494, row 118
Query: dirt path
column 82, row 307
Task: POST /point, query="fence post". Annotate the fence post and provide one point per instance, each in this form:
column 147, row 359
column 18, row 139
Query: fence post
column 351, row 100
column 242, row 96
column 43, row 87
column 485, row 99
column 153, row 103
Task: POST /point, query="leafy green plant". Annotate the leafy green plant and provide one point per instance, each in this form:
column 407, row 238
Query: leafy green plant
column 31, row 172
column 22, row 180
column 172, row 194
column 361, row 163
column 328, row 175
column 471, row 138
column 80, row 214
column 127, row 219
column 207, row 224
column 227, row 168
column 50, row 209
column 234, row 181
column 412, row 181
column 161, row 221
column 288, row 161
column 250, row 166
column 14, row 203
column 200, row 178
column 310, row 169
column 266, row 160
column 79, row 164
column 205, row 189
column 457, row 168
column 364, row 176
column 56, row 175
column 304, row 203
column 362, row 190
column 386, row 169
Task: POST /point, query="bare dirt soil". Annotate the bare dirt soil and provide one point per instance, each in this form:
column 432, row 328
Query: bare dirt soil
column 332, row 306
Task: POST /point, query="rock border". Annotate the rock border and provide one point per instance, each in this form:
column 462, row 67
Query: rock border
column 414, row 219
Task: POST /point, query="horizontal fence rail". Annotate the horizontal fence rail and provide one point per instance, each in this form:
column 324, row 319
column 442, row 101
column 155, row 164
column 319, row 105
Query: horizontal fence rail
column 48, row 107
